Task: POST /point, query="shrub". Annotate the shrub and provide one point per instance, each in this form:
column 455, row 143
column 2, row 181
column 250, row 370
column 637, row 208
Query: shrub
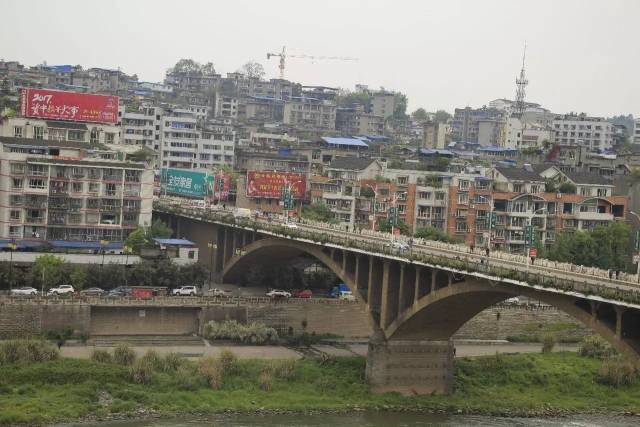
column 172, row 362
column 284, row 369
column 254, row 333
column 101, row 356
column 211, row 370
column 228, row 360
column 186, row 378
column 152, row 358
column 12, row 351
column 548, row 342
column 618, row 372
column 265, row 380
column 123, row 355
column 596, row 348
column 141, row 371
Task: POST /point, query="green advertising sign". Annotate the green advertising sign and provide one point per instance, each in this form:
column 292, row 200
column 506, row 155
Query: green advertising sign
column 186, row 183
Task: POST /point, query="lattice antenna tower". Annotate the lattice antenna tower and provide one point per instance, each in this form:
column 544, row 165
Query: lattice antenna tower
column 521, row 83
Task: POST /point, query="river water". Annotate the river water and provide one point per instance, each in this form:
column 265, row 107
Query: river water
column 372, row 419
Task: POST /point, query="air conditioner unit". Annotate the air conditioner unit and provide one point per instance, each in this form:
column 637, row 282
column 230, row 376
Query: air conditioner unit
column 558, row 195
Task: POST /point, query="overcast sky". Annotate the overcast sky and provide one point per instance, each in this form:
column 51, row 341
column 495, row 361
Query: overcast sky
column 582, row 55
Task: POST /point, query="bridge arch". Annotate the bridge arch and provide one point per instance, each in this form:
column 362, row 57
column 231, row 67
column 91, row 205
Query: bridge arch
column 439, row 314
column 275, row 250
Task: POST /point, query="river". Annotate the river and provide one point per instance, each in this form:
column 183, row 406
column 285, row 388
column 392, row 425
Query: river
column 371, row 419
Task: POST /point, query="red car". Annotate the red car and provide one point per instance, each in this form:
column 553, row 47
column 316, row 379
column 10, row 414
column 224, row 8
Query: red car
column 302, row 293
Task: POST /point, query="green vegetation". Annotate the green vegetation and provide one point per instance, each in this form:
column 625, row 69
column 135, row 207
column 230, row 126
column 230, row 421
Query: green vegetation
column 432, row 233
column 606, row 247
column 253, row 333
column 596, row 347
column 567, row 188
column 318, row 212
column 562, row 332
column 385, row 227
column 534, row 384
column 420, row 114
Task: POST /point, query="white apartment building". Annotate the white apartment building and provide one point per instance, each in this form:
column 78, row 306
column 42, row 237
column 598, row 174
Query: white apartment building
column 58, row 130
column 226, row 106
column 180, row 136
column 635, row 136
column 430, row 207
column 310, row 113
column 524, row 134
column 141, row 128
column 593, row 133
column 216, row 145
column 65, row 190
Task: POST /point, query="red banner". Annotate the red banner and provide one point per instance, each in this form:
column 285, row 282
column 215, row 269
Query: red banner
column 269, row 185
column 74, row 106
column 218, row 193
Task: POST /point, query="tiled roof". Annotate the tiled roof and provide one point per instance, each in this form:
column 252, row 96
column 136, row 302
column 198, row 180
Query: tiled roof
column 587, row 178
column 519, row 174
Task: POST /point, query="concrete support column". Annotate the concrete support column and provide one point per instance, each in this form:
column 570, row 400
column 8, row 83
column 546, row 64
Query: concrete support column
column 434, row 276
column 357, row 272
column 416, row 285
column 370, row 288
column 384, row 303
column 244, row 238
column 619, row 312
column 409, row 367
column 374, row 292
column 344, row 261
column 402, row 291
column 235, row 242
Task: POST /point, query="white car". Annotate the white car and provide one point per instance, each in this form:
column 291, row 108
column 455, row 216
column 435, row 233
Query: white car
column 278, row 293
column 512, row 301
column 346, row 296
column 28, row 291
column 61, row 290
column 292, row 225
column 400, row 246
column 185, row 291
column 220, row 292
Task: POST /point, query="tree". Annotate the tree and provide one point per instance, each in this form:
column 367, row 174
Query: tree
column 208, row 69
column 400, row 109
column 348, row 99
column 78, row 277
column 253, row 70
column 137, row 240
column 160, row 229
column 385, row 227
column 367, row 192
column 432, row 233
column 567, row 188
column 50, row 268
column 186, row 66
column 318, row 212
column 142, row 155
column 420, row 114
column 442, row 116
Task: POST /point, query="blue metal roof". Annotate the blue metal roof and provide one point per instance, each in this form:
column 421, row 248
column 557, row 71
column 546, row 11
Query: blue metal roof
column 60, row 68
column 74, row 244
column 344, row 141
column 174, row 242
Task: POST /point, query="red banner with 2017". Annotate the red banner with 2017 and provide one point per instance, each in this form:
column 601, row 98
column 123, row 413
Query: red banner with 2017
column 73, row 106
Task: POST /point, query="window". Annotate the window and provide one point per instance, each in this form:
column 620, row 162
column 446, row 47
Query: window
column 94, row 187
column 426, row 195
column 109, row 137
column 36, row 183
column 38, row 132
column 57, row 134
column 16, row 183
column 76, row 135
column 17, row 168
column 440, row 195
column 535, row 188
column 77, row 187
column 94, row 136
column 602, row 192
column 517, row 188
column 14, row 215
column 17, row 131
column 463, row 198
column 463, row 185
column 461, row 227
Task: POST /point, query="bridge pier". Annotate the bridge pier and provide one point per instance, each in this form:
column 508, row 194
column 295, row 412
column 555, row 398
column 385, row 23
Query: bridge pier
column 409, row 367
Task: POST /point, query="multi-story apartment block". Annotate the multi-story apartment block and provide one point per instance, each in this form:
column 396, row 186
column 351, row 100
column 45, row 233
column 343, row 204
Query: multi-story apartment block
column 191, row 81
column 520, row 134
column 180, row 136
column 64, row 190
column 58, row 130
column 310, row 113
column 355, row 121
column 469, row 205
column 465, row 126
column 141, row 127
column 226, row 106
column 635, row 136
column 382, row 104
column 434, row 134
column 593, row 133
column 216, row 145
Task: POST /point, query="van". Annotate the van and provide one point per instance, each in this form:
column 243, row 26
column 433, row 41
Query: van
column 242, row 213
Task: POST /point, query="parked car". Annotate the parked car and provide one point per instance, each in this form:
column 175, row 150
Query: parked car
column 61, row 290
column 335, row 292
column 512, row 301
column 302, row 293
column 25, row 291
column 278, row 293
column 220, row 292
column 347, row 296
column 92, row 292
column 400, row 246
column 185, row 291
column 120, row 291
column 292, row 225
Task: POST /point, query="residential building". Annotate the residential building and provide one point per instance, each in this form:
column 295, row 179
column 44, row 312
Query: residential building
column 490, row 131
column 382, row 104
column 310, row 113
column 356, row 121
column 593, row 133
column 68, row 190
column 465, row 125
column 521, row 134
column 180, row 136
column 59, row 130
column 226, row 106
column 216, row 145
column 142, row 127
column 434, row 135
column 635, row 137
column 469, row 205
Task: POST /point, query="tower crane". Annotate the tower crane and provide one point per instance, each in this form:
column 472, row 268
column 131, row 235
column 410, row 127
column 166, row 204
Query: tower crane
column 283, row 55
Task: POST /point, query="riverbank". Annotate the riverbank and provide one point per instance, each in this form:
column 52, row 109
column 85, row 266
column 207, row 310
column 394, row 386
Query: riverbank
column 507, row 385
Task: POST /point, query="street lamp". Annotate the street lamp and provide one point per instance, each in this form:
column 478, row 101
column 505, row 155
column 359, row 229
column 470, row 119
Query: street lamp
column 127, row 250
column 103, row 245
column 12, row 246
column 636, row 246
column 212, row 248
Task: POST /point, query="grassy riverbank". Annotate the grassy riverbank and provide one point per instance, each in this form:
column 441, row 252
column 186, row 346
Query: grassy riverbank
column 537, row 384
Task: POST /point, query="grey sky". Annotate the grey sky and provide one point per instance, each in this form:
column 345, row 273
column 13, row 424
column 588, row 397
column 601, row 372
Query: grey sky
column 582, row 55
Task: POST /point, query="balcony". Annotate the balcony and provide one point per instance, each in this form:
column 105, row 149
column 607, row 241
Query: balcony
column 36, row 204
column 34, row 220
column 58, row 191
column 131, row 209
column 594, row 216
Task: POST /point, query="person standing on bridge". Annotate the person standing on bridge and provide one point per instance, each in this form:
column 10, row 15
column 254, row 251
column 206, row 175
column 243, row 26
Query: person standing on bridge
column 487, row 251
column 471, row 248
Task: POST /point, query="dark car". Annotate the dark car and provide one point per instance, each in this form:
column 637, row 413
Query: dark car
column 302, row 293
column 120, row 291
column 92, row 292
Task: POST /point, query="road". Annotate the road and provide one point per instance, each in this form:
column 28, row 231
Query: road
column 279, row 352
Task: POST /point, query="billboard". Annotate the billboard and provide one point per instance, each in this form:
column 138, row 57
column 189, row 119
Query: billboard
column 188, row 183
column 61, row 105
column 269, row 185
